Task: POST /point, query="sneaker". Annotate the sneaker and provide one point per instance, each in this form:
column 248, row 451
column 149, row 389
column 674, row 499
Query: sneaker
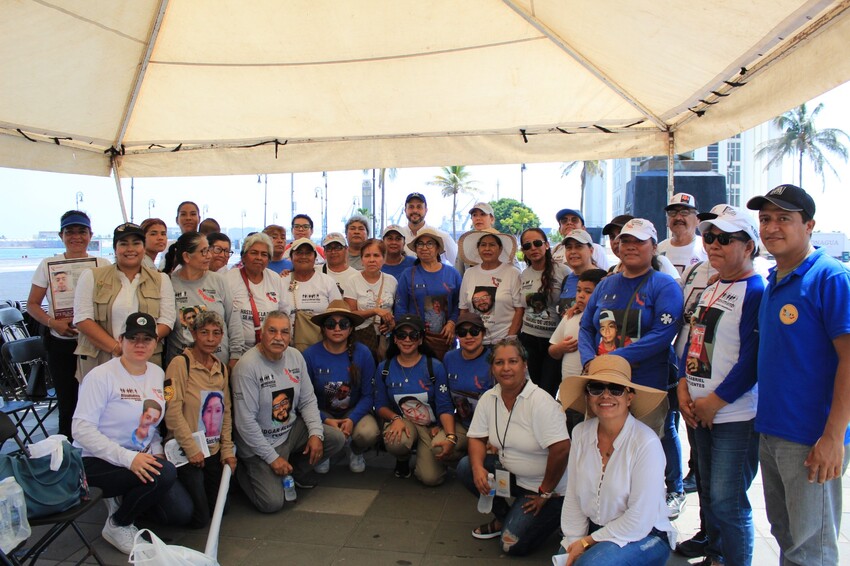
column 122, row 538
column 675, row 504
column 356, row 463
column 402, row 469
column 694, row 546
column 112, row 505
column 690, row 483
column 323, row 467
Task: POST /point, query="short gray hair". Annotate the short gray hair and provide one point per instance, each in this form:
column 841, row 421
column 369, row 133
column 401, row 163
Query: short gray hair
column 259, row 237
column 205, row 318
column 358, row 218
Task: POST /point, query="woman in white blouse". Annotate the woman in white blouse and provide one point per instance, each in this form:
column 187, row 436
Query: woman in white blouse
column 615, row 510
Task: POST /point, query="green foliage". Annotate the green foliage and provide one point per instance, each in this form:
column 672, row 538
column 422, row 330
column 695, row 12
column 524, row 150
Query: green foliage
column 555, row 237
column 455, row 179
column 512, row 217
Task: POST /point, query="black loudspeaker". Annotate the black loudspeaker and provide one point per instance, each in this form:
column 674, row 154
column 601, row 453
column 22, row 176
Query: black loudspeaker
column 646, row 194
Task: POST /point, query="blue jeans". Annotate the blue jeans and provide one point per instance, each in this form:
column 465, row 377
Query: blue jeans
column 673, row 452
column 728, row 460
column 804, row 517
column 163, row 500
column 521, row 532
column 652, row 550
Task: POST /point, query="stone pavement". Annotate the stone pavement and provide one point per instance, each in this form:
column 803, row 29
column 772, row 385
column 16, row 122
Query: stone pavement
column 375, row 519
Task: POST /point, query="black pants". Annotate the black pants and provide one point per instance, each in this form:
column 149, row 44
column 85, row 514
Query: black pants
column 202, row 486
column 63, row 365
column 543, row 369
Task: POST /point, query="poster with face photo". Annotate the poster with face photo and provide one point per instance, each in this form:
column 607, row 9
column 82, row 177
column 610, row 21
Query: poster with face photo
column 187, row 316
column 282, row 404
column 211, row 415
column 609, row 330
column 62, row 279
column 435, row 313
column 415, row 408
column 464, row 405
column 483, row 300
column 337, row 398
column 143, row 434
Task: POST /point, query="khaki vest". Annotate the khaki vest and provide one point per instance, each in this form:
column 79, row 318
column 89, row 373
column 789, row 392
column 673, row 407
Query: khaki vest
column 107, row 285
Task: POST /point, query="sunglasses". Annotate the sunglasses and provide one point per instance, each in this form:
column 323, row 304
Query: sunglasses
column 330, row 324
column 724, row 238
column 462, row 332
column 403, row 335
column 595, row 389
column 536, row 243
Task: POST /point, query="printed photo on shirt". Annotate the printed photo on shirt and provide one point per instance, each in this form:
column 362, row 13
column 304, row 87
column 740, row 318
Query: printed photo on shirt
column 435, row 313
column 483, row 299
column 151, row 414
column 701, row 344
column 187, row 316
column 609, row 329
column 211, row 415
column 415, row 408
column 282, row 404
column 464, row 404
column 536, row 303
column 337, row 398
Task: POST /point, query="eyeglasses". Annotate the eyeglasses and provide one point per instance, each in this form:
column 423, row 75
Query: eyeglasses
column 430, row 244
column 473, row 331
column 724, row 238
column 330, row 324
column 301, row 227
column 218, row 250
column 596, row 388
column 204, row 251
column 403, row 335
column 282, row 405
column 536, row 243
column 680, row 212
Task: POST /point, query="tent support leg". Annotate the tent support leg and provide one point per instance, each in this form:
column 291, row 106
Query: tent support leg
column 118, row 189
column 671, row 145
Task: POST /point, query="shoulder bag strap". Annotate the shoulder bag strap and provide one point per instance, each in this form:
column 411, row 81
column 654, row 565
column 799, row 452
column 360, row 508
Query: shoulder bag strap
column 254, row 312
column 629, row 307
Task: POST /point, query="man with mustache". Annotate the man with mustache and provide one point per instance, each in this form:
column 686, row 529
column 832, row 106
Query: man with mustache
column 415, row 209
column 270, row 382
column 682, row 248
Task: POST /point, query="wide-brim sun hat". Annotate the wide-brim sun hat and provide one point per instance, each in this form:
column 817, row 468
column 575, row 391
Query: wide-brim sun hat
column 441, row 246
column 468, row 246
column 609, row 368
column 339, row 307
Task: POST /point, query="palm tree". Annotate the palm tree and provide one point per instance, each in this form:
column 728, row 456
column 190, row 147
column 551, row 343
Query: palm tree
column 800, row 137
column 588, row 168
column 455, row 179
column 382, row 176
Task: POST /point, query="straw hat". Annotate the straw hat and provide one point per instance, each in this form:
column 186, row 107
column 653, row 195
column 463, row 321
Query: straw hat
column 338, row 306
column 468, row 246
column 609, row 368
column 441, row 246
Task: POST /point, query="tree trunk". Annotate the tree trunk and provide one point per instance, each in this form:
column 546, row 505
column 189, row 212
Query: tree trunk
column 801, row 169
column 454, row 214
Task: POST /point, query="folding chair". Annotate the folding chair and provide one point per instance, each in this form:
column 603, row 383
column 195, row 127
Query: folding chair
column 58, row 521
column 12, row 325
column 26, row 361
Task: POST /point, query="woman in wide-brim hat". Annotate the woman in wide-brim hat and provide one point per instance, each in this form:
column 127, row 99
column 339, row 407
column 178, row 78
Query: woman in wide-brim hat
column 616, row 471
column 468, row 246
column 341, row 371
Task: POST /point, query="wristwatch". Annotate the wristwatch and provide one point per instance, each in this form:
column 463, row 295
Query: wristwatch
column 545, row 494
column 584, row 544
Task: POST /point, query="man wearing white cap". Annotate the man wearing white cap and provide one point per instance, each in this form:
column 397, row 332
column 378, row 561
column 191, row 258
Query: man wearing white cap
column 568, row 220
column 415, row 209
column 682, row 248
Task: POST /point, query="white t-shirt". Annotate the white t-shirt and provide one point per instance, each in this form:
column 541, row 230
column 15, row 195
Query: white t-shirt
column 366, row 294
column 571, row 362
column 599, row 257
column 494, row 295
column 522, row 435
column 312, row 296
column 342, row 278
column 269, row 295
column 41, row 278
column 683, row 256
column 112, row 400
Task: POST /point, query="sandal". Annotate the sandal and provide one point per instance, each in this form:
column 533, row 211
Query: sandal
column 488, row 530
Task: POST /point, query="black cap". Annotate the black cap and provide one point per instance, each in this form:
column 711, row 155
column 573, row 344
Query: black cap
column 140, row 323
column 410, row 320
column 125, row 231
column 786, row 197
column 469, row 318
column 616, row 222
column 419, row 196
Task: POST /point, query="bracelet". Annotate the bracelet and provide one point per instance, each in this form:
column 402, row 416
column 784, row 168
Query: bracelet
column 116, row 346
column 452, row 438
column 395, row 418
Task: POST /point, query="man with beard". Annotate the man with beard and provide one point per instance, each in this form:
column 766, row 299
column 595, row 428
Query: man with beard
column 415, row 209
column 682, row 248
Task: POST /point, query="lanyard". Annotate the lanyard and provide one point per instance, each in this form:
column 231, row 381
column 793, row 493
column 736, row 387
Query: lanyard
column 713, row 300
column 503, row 439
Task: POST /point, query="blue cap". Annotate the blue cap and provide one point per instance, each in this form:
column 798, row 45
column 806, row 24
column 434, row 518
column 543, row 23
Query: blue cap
column 564, row 211
column 75, row 220
column 419, row 196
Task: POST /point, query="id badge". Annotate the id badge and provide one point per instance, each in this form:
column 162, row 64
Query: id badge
column 697, row 340
column 503, row 483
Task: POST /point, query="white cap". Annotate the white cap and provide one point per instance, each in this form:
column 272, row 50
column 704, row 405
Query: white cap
column 640, row 228
column 732, row 219
column 483, row 207
column 392, row 228
column 682, row 199
column 334, row 237
column 579, row 236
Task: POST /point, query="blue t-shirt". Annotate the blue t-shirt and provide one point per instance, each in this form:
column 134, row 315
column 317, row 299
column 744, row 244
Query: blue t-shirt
column 468, row 379
column 280, row 265
column 798, row 319
column 653, row 322
column 431, row 296
column 337, row 398
column 397, row 270
column 410, row 392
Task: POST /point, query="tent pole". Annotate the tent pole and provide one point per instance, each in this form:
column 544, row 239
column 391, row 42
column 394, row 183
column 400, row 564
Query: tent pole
column 118, row 188
column 671, row 145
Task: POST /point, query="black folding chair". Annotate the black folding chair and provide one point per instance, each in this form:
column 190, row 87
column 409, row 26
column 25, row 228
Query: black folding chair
column 29, row 378
column 58, row 521
column 12, row 326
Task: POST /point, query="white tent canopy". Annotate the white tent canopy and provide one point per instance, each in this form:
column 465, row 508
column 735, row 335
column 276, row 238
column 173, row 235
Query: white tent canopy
column 200, row 87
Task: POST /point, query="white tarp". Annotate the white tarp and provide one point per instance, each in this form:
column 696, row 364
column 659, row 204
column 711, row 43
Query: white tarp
column 213, row 87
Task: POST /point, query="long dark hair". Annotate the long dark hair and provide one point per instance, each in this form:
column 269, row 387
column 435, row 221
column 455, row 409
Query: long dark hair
column 353, row 369
column 189, row 243
column 548, row 275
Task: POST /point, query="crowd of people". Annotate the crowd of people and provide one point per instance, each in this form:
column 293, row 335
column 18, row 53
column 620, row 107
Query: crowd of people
column 555, row 391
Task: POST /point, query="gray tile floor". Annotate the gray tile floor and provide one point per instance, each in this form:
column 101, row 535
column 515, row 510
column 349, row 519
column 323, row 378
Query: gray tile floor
column 375, row 519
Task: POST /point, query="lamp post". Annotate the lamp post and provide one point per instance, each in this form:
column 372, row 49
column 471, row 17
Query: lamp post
column 204, row 210
column 319, row 193
column 325, row 207
column 151, row 204
column 243, row 227
column 79, row 199
column 522, row 183
column 132, row 199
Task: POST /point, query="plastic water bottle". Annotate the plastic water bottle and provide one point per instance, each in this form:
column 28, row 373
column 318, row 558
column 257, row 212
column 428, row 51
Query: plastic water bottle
column 289, row 492
column 7, row 537
column 485, row 501
column 20, row 526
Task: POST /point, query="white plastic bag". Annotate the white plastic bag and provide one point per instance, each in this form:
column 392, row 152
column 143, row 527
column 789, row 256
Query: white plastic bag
column 157, row 553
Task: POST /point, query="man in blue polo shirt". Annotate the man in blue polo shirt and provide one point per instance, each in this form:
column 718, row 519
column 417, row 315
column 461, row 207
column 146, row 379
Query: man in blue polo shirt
column 804, row 381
